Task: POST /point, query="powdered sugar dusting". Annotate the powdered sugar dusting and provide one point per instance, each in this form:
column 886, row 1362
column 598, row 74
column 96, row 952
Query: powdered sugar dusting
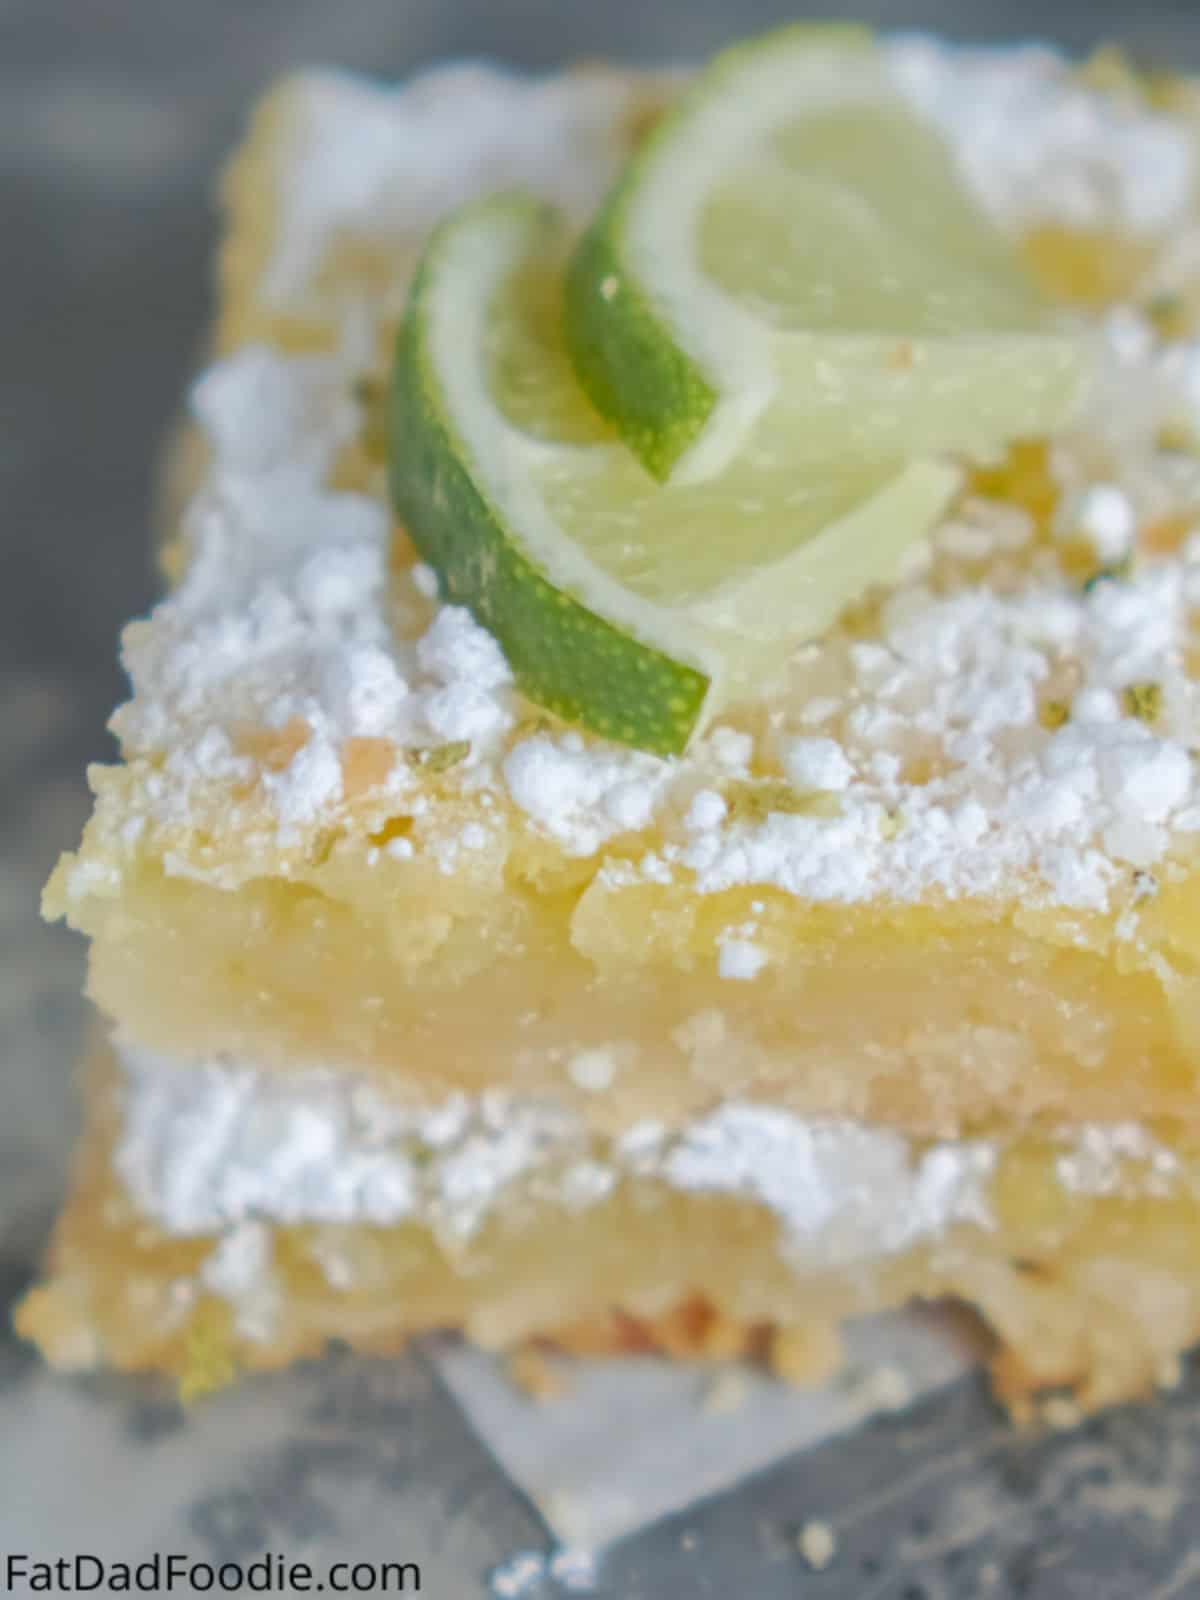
column 222, row 1148
column 955, row 683
column 213, row 1145
column 387, row 163
column 1034, row 145
column 287, row 613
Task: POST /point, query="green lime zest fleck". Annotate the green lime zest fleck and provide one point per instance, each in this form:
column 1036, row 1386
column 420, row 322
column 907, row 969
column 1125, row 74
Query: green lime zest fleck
column 1144, row 701
column 437, row 758
column 210, row 1362
column 1111, row 574
column 754, row 800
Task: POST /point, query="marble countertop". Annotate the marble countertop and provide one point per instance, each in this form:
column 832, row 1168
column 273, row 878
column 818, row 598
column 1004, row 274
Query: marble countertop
column 113, row 118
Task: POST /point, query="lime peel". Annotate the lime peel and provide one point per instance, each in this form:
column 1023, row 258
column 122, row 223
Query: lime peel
column 564, row 654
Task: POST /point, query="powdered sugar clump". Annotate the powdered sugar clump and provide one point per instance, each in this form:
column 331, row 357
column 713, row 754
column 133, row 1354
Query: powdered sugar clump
column 740, row 959
column 1121, row 1157
column 581, row 793
column 817, row 764
column 309, row 784
column 843, row 1191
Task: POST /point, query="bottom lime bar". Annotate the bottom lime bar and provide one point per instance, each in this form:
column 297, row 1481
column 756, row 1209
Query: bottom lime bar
column 226, row 1218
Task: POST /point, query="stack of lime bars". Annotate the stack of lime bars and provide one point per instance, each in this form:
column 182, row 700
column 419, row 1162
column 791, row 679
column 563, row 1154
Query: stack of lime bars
column 659, row 810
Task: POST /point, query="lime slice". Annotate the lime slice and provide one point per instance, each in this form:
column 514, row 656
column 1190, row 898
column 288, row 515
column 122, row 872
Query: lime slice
column 792, row 264
column 630, row 607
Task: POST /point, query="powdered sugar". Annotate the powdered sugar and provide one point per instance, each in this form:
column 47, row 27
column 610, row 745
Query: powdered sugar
column 707, row 810
column 210, row 1145
column 593, row 1070
column 740, row 959
column 383, row 162
column 1116, row 1158
column 817, row 764
column 843, row 1191
column 956, row 681
column 309, row 784
column 583, row 794
column 240, row 1271
column 1036, row 145
column 1105, row 515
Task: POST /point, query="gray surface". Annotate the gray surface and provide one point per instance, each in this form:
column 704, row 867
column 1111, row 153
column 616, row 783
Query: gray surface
column 112, row 117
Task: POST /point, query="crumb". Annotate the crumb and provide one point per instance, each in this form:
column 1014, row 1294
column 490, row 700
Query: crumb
column 1170, row 1373
column 723, row 1339
column 592, row 1070
column 425, row 580
column 726, row 1392
column 817, row 1544
column 886, row 1389
column 575, row 1514
column 804, row 1355
column 1061, row 1413
column 515, row 1578
column 536, row 1375
column 574, row 1568
column 1144, row 701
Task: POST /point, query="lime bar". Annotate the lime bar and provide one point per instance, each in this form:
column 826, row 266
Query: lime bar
column 634, row 609
column 418, row 1009
column 793, row 263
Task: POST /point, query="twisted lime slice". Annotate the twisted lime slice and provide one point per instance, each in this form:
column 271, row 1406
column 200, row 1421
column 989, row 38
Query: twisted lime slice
column 631, row 608
column 792, row 264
